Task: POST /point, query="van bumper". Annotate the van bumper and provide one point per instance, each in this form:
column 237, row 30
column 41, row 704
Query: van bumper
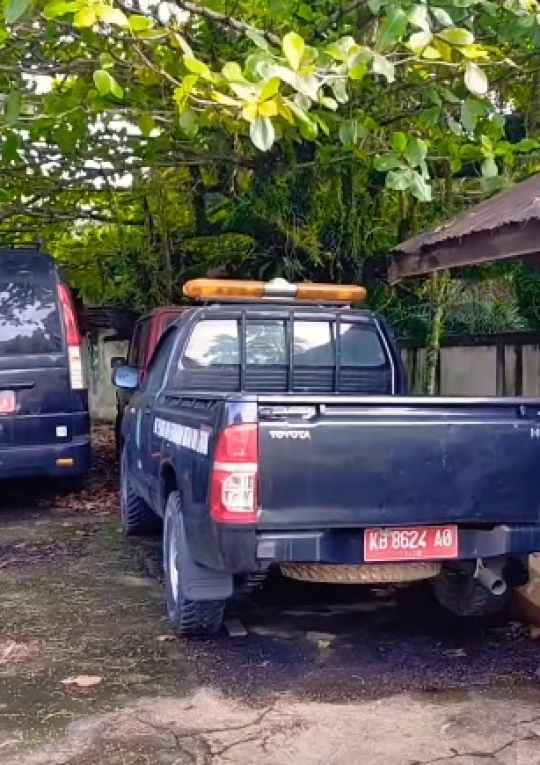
column 46, row 460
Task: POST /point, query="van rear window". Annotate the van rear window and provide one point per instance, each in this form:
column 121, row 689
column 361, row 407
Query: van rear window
column 30, row 321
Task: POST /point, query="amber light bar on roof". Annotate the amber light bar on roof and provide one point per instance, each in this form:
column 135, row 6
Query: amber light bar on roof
column 209, row 289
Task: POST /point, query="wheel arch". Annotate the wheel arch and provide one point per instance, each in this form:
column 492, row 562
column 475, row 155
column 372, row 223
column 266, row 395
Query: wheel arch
column 168, row 482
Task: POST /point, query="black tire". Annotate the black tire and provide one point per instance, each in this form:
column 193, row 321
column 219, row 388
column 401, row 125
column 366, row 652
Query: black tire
column 462, row 595
column 73, row 484
column 190, row 618
column 136, row 516
column 118, row 434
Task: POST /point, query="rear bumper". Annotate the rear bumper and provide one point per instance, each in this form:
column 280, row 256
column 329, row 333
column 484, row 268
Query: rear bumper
column 347, row 547
column 17, row 462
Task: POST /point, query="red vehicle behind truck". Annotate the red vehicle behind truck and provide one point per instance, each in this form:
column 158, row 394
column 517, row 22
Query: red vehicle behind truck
column 144, row 339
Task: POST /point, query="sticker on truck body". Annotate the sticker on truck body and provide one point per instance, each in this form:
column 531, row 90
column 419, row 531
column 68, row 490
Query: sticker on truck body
column 194, row 439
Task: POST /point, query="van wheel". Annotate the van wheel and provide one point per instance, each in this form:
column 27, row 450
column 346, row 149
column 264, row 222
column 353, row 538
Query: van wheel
column 462, row 595
column 136, row 517
column 190, row 618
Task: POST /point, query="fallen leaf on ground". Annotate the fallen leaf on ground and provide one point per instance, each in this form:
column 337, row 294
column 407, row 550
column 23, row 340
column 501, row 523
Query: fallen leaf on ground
column 83, row 681
column 534, row 632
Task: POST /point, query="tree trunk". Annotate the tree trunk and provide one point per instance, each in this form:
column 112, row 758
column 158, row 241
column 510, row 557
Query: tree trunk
column 439, row 290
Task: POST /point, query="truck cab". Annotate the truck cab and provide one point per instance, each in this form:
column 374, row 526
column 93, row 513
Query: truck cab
column 146, row 333
column 273, row 429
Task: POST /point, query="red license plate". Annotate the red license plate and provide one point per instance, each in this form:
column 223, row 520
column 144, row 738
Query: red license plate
column 414, row 543
column 7, row 402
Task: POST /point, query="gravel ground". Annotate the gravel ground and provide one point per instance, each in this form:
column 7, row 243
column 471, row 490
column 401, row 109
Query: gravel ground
column 90, row 673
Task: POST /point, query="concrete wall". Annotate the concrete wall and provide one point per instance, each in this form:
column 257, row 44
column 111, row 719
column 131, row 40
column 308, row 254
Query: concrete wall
column 504, row 365
column 498, row 365
column 101, row 391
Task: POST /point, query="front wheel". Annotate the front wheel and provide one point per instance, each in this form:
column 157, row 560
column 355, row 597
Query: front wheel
column 189, row 617
column 462, row 595
column 136, row 516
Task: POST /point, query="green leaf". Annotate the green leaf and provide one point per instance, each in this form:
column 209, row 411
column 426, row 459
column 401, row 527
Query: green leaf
column 262, row 133
column 475, row 79
column 399, row 142
column 270, row 88
column 382, row 65
column 294, row 48
column 457, row 36
column 471, row 111
column 103, row 82
column 146, row 124
column 232, row 72
column 84, row 18
column 348, row 133
column 398, row 180
column 12, row 107
column 385, row 162
column 419, row 17
column 182, row 93
column 188, row 122
column 443, row 17
column 106, row 84
column 420, row 188
column 392, row 28
column 258, row 39
column 196, row 67
column 10, row 149
column 140, row 23
column 304, row 12
column 416, row 151
column 15, row 9
column 55, row 9
column 111, row 16
column 489, row 168
column 339, row 89
column 419, row 40
column 116, row 89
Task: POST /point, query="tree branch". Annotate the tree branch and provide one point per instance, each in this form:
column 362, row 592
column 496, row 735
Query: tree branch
column 225, row 21
column 335, row 17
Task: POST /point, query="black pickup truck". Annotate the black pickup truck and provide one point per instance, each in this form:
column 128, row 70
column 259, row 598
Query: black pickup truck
column 274, row 431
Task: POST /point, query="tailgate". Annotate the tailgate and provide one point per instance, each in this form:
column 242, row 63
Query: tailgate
column 396, row 461
column 42, row 402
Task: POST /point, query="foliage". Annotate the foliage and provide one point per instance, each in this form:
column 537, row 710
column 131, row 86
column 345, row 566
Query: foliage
column 148, row 141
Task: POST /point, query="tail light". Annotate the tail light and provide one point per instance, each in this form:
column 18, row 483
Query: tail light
column 74, row 339
column 233, row 488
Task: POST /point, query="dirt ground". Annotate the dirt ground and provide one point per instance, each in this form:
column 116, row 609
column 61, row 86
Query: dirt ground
column 90, row 673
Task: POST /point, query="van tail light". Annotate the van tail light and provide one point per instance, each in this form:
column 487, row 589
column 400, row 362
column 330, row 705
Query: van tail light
column 234, row 481
column 74, row 339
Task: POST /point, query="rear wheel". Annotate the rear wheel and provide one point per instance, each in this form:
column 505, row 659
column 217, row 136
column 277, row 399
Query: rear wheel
column 136, row 516
column 462, row 595
column 189, row 617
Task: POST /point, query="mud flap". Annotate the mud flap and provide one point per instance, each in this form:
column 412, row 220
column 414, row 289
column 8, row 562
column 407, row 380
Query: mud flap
column 199, row 582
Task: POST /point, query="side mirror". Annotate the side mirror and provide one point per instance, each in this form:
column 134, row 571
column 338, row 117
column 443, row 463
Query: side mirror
column 126, row 377
column 117, row 361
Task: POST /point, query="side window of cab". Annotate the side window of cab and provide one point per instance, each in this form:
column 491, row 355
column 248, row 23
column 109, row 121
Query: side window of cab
column 159, row 362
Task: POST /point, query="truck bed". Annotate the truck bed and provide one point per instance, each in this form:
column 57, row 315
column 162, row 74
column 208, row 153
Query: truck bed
column 388, row 461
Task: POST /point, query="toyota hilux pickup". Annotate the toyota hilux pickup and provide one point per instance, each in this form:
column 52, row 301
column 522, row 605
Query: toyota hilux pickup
column 273, row 429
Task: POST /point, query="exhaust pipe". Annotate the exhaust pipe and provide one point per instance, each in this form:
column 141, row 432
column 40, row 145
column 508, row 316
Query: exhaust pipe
column 490, row 579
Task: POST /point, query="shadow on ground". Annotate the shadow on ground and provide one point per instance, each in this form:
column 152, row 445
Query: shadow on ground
column 77, row 601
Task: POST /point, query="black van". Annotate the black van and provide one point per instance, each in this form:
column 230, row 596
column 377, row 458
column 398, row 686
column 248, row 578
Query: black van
column 44, row 418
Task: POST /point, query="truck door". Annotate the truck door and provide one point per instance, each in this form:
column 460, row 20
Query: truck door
column 150, row 452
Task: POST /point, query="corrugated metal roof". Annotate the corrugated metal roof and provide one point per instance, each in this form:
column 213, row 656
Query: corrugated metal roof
column 518, row 204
